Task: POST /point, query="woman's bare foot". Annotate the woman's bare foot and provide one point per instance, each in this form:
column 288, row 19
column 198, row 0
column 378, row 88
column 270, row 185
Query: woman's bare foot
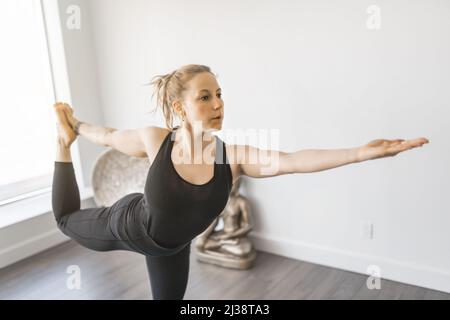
column 66, row 136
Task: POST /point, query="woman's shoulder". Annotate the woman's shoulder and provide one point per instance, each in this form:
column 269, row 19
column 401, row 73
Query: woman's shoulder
column 153, row 138
column 152, row 132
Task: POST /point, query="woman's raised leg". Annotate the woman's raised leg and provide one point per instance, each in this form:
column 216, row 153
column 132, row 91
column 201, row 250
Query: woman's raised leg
column 65, row 193
column 89, row 227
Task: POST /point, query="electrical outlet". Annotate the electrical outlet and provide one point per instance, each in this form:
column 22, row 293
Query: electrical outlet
column 367, row 230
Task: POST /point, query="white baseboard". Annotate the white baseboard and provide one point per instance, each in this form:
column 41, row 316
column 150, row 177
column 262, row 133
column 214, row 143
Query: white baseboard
column 405, row 272
column 31, row 246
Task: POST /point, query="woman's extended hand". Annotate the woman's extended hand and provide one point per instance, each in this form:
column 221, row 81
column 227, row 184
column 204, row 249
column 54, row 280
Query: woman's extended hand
column 381, row 148
column 69, row 114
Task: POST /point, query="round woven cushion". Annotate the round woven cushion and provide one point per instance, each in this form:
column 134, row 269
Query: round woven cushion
column 115, row 175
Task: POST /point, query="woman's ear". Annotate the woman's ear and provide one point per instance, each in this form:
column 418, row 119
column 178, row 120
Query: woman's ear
column 176, row 105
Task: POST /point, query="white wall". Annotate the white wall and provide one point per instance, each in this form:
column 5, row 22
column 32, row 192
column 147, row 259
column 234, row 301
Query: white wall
column 313, row 70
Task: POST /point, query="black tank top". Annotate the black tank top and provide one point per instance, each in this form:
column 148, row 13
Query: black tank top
column 178, row 210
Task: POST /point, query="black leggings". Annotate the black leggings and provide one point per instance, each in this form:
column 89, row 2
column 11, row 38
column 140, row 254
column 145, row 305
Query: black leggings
column 105, row 229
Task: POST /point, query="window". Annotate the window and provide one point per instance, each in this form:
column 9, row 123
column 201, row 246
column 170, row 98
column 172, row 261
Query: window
column 27, row 123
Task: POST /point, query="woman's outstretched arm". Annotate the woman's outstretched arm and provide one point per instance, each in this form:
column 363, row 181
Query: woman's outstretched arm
column 269, row 163
column 130, row 142
column 127, row 141
column 314, row 160
column 95, row 134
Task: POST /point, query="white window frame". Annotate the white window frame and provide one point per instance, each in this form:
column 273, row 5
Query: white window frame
column 30, row 204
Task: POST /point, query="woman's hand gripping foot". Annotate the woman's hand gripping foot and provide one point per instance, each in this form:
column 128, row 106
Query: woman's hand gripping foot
column 66, row 135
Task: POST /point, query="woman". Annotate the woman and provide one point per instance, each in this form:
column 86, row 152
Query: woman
column 181, row 198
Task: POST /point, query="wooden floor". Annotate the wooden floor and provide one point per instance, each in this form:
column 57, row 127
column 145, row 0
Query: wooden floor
column 123, row 275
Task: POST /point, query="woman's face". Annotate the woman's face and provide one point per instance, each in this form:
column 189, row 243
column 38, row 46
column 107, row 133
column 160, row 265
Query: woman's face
column 203, row 102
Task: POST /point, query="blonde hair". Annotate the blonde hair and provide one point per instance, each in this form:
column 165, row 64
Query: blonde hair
column 169, row 87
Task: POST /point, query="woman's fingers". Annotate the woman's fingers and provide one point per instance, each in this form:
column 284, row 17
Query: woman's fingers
column 416, row 142
column 70, row 117
column 68, row 112
column 401, row 145
column 385, row 148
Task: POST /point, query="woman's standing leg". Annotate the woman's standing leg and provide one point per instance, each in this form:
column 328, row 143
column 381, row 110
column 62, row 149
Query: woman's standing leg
column 169, row 274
